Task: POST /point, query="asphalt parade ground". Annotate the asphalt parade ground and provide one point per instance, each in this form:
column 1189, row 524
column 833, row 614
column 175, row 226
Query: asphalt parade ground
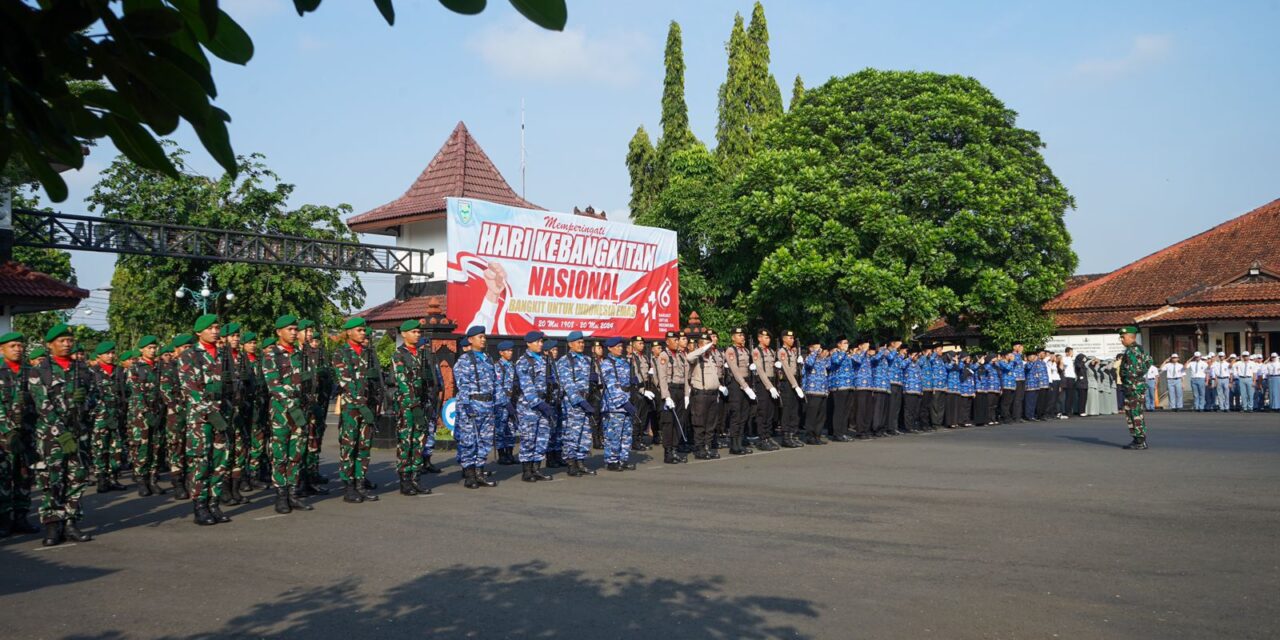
column 1041, row 530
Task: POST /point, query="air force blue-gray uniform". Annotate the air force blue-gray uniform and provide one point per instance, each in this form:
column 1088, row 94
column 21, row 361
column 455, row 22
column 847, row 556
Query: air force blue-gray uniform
column 617, row 408
column 574, row 372
column 533, row 411
column 474, row 376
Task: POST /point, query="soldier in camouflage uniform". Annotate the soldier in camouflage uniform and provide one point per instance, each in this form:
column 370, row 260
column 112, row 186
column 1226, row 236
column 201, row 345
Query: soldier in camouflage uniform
column 282, row 369
column 175, row 418
column 202, row 377
column 313, row 366
column 58, row 395
column 108, row 384
column 145, row 416
column 325, row 388
column 258, row 467
column 504, row 416
column 15, row 439
column 1133, row 383
column 235, row 394
column 414, row 395
column 355, row 422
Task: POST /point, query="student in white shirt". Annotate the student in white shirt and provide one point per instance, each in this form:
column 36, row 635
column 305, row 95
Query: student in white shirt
column 1221, row 373
column 1197, row 370
column 1244, row 370
column 1273, row 381
column 1153, row 378
column 1173, row 371
column 1068, row 382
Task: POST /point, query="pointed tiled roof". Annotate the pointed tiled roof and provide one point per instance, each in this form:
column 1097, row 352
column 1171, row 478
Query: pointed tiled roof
column 26, row 291
column 460, row 169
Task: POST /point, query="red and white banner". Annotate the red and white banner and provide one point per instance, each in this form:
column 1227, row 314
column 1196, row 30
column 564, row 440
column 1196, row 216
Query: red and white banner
column 515, row 270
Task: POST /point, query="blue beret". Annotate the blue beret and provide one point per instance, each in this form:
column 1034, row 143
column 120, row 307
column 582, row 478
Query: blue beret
column 475, row 331
column 549, row 344
column 612, row 342
column 533, row 336
column 505, row 345
column 574, row 336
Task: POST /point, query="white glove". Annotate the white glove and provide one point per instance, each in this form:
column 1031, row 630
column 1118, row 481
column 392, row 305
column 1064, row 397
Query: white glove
column 750, row 394
column 686, row 402
column 799, row 392
column 724, row 391
column 774, row 392
column 668, row 404
column 777, row 364
column 650, row 370
column 752, row 367
column 648, row 394
column 726, row 365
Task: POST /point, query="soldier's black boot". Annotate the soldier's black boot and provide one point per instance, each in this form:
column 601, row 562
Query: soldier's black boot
column 350, row 494
column 1138, row 444
column 53, row 534
column 313, row 489
column 20, row 526
column 767, row 444
column 215, row 510
column 235, row 491
column 367, row 485
column 103, row 487
column 264, row 475
column 527, row 474
column 469, row 479
column 669, row 457
column 701, row 454
column 6, row 525
column 144, row 487
column 74, row 533
column 282, row 500
column 365, row 491
column 113, row 483
column 574, row 471
column 584, row 469
column 246, row 483
column 179, row 489
column 318, row 478
column 483, row 478
column 201, row 516
column 295, row 499
column 617, row 466
column 538, row 473
column 406, row 489
column 427, row 467
column 555, row 460
column 226, row 497
column 415, row 480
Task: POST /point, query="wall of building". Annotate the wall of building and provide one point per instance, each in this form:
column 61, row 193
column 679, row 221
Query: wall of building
column 427, row 234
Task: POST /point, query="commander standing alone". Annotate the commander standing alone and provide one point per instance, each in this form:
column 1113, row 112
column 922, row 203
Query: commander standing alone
column 1133, row 368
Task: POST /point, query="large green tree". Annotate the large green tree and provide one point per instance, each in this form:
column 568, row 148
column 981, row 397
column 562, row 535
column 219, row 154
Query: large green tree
column 676, row 134
column 641, row 165
column 797, row 92
column 143, row 286
column 151, row 60
column 749, row 99
column 886, row 199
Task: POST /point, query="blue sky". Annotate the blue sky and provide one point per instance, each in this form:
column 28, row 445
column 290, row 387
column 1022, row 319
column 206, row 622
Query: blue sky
column 1159, row 117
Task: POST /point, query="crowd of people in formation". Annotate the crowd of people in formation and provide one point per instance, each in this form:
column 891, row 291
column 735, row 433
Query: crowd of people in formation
column 1218, row 382
column 221, row 412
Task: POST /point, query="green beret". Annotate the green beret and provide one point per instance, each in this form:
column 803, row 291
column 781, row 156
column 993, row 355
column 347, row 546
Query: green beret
column 77, row 348
column 1128, row 329
column 129, row 355
column 204, row 321
column 248, row 336
column 231, row 329
column 12, row 336
column 286, row 320
column 268, row 342
column 181, row 339
column 305, row 324
column 353, row 323
column 410, row 325
column 147, row 340
column 104, row 347
column 36, row 353
column 165, row 349
column 57, row 331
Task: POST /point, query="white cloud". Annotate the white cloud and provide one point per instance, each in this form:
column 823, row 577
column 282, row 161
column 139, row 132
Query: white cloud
column 1145, row 51
column 519, row 49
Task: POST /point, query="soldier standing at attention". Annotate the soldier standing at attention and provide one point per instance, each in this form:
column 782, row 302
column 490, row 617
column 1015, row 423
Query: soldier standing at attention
column 313, row 367
column 249, row 408
column 202, row 377
column 108, row 453
column 738, row 361
column 574, row 373
column 1133, row 368
column 504, row 431
column 616, row 406
column 233, row 393
column 555, row 457
column 355, row 423
column 145, row 415
column 642, row 394
column 474, row 377
column 790, row 390
column 672, row 371
column 764, row 366
column 282, row 375
column 702, row 396
column 15, row 440
column 260, row 423
column 817, row 367
column 175, row 424
column 413, row 425
column 58, row 398
column 532, row 409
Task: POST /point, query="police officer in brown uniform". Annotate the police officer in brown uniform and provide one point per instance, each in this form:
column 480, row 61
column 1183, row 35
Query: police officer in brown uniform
column 641, row 363
column 741, row 397
column 703, row 396
column 764, row 369
column 790, row 391
column 672, row 371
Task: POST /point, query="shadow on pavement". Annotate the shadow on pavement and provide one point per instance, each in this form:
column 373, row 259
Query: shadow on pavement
column 521, row 601
column 26, row 572
column 1091, row 440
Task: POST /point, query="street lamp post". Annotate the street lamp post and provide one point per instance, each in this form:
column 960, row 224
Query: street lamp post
column 204, row 296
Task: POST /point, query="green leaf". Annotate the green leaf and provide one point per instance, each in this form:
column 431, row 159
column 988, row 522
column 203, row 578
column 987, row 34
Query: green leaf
column 196, row 68
column 49, row 179
column 111, row 101
column 306, row 6
column 138, row 145
column 227, row 39
column 80, row 121
column 213, row 135
column 153, row 23
column 388, row 11
column 174, row 86
column 548, row 14
column 209, row 14
column 464, row 7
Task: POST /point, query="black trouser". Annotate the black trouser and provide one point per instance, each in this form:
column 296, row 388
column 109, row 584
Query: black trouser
column 815, row 414
column 841, row 403
column 1047, row 404
column 1006, row 405
column 1068, row 390
column 893, row 419
column 982, row 408
column 789, row 416
column 1019, row 399
column 880, row 416
column 911, row 410
column 1082, row 396
column 766, row 410
column 938, row 409
column 964, row 409
column 738, row 410
column 702, row 413
column 866, row 410
column 953, row 409
column 674, row 420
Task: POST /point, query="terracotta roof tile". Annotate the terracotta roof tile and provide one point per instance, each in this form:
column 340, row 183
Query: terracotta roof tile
column 17, row 281
column 1266, row 291
column 1208, row 312
column 1228, row 248
column 460, row 169
column 1093, row 319
column 393, row 312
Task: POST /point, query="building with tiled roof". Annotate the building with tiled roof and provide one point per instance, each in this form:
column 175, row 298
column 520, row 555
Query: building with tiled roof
column 23, row 290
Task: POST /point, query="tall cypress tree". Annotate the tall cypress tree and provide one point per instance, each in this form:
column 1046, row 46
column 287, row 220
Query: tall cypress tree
column 732, row 138
column 675, row 112
column 766, row 97
column 797, row 93
column 750, row 97
column 640, row 165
